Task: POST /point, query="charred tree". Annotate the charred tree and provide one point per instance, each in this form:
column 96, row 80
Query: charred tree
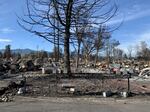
column 39, row 19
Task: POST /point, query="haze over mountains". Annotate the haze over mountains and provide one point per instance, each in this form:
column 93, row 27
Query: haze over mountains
column 21, row 51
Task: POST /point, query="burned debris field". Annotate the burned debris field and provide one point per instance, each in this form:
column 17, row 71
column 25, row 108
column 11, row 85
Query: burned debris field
column 45, row 86
column 47, row 80
column 74, row 49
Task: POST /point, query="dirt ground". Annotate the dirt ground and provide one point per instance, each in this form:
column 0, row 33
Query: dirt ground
column 46, row 85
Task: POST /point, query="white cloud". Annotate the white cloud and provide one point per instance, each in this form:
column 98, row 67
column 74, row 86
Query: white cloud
column 5, row 40
column 144, row 37
column 137, row 38
column 130, row 15
column 136, row 15
column 7, row 30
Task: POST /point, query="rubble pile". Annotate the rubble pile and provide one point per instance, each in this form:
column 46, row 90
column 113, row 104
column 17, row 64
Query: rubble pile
column 46, row 66
column 120, row 67
column 10, row 90
column 42, row 78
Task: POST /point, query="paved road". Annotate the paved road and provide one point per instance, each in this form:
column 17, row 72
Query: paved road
column 51, row 106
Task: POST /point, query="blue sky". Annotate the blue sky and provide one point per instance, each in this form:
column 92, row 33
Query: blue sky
column 135, row 28
column 11, row 33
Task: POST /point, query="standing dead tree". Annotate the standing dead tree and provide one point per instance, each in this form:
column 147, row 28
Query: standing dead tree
column 7, row 52
column 114, row 43
column 88, row 44
column 100, row 41
column 41, row 13
column 81, row 23
column 143, row 52
column 117, row 54
column 130, row 50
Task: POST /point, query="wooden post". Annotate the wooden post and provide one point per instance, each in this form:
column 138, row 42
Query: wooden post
column 129, row 76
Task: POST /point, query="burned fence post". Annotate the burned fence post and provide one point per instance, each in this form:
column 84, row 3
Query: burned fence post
column 129, row 76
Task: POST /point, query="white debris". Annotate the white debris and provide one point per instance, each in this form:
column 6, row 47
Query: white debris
column 20, row 91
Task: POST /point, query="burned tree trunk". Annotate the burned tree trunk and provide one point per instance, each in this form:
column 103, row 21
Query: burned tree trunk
column 78, row 55
column 96, row 57
column 67, row 54
column 67, row 38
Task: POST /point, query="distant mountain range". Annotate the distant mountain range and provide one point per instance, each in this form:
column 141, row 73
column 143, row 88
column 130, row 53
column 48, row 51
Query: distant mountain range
column 21, row 51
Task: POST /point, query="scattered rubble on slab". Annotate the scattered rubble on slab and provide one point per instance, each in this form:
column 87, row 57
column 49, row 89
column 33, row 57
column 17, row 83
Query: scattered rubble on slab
column 45, row 78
